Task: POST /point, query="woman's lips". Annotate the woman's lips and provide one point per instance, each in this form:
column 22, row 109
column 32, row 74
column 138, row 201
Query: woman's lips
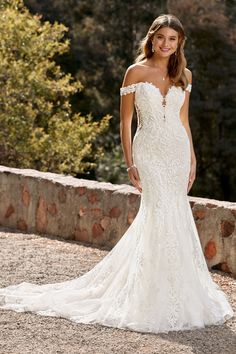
column 164, row 49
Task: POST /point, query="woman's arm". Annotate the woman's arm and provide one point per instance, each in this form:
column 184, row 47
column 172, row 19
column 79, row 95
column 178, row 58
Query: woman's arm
column 184, row 116
column 126, row 116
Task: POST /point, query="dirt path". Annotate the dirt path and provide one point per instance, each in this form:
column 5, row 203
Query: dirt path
column 43, row 260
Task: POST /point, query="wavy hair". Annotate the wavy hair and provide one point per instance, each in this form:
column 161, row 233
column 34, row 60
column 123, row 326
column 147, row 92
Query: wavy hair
column 177, row 62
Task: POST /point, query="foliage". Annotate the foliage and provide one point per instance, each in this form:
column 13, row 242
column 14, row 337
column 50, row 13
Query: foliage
column 104, row 37
column 38, row 128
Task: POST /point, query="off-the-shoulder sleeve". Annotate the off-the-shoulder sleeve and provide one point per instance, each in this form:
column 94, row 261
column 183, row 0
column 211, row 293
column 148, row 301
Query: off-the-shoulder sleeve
column 127, row 89
column 189, row 88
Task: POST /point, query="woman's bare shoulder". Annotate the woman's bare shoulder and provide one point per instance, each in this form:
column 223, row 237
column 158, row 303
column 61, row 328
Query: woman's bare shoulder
column 133, row 74
column 188, row 74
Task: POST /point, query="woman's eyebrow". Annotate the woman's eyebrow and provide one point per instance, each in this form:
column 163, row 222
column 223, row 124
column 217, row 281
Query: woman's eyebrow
column 160, row 34
column 171, row 37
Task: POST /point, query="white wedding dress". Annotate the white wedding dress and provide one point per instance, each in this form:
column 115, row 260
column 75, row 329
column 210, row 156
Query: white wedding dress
column 155, row 279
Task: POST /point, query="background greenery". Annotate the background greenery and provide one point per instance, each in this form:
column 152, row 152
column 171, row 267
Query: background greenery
column 104, row 37
column 38, row 128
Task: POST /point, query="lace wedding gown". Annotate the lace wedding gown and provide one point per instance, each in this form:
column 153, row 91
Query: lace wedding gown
column 155, row 279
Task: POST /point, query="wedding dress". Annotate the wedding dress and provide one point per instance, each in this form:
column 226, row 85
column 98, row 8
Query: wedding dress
column 155, row 279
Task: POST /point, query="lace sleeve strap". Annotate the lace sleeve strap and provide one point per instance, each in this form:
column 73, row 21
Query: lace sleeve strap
column 189, row 88
column 127, row 89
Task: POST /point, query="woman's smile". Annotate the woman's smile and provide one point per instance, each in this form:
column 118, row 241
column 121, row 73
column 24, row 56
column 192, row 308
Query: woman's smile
column 164, row 49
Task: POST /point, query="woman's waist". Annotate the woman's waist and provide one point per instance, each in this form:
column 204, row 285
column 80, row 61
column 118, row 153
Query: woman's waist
column 161, row 131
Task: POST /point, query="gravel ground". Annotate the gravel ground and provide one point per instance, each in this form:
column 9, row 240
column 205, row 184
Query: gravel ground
column 41, row 260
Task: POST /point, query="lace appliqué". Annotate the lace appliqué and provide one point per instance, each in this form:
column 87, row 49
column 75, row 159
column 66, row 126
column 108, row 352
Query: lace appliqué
column 127, row 89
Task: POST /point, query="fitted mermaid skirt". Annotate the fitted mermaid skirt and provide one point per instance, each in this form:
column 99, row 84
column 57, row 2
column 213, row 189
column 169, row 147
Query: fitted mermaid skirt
column 155, row 279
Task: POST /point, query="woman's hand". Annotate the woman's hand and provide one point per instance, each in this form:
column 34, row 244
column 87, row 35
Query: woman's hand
column 134, row 178
column 192, row 174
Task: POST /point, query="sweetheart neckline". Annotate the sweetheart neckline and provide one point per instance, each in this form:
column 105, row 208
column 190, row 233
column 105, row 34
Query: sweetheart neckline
column 131, row 88
column 157, row 88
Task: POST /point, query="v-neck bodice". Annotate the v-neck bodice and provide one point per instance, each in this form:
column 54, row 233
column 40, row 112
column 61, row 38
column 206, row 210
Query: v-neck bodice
column 153, row 109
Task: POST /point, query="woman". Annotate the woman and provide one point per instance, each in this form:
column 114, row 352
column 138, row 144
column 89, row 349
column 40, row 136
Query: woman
column 155, row 279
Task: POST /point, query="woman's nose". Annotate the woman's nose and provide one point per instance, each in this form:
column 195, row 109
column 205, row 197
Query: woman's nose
column 165, row 41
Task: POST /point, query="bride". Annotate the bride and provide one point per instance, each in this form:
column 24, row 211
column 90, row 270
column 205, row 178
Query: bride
column 155, row 279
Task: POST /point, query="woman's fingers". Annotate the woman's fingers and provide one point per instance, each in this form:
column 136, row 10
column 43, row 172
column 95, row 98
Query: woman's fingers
column 136, row 183
column 134, row 178
column 191, row 180
column 189, row 186
column 192, row 175
column 137, row 178
column 136, row 174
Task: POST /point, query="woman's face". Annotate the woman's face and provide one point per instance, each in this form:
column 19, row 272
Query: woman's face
column 165, row 41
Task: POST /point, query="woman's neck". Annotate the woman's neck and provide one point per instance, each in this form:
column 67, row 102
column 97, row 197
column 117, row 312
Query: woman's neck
column 158, row 62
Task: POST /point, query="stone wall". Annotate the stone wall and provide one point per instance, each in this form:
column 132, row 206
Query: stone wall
column 99, row 213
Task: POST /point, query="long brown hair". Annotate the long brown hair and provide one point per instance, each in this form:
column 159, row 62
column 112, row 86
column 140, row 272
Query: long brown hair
column 177, row 61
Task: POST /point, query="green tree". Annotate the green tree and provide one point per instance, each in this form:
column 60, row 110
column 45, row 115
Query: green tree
column 38, row 128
